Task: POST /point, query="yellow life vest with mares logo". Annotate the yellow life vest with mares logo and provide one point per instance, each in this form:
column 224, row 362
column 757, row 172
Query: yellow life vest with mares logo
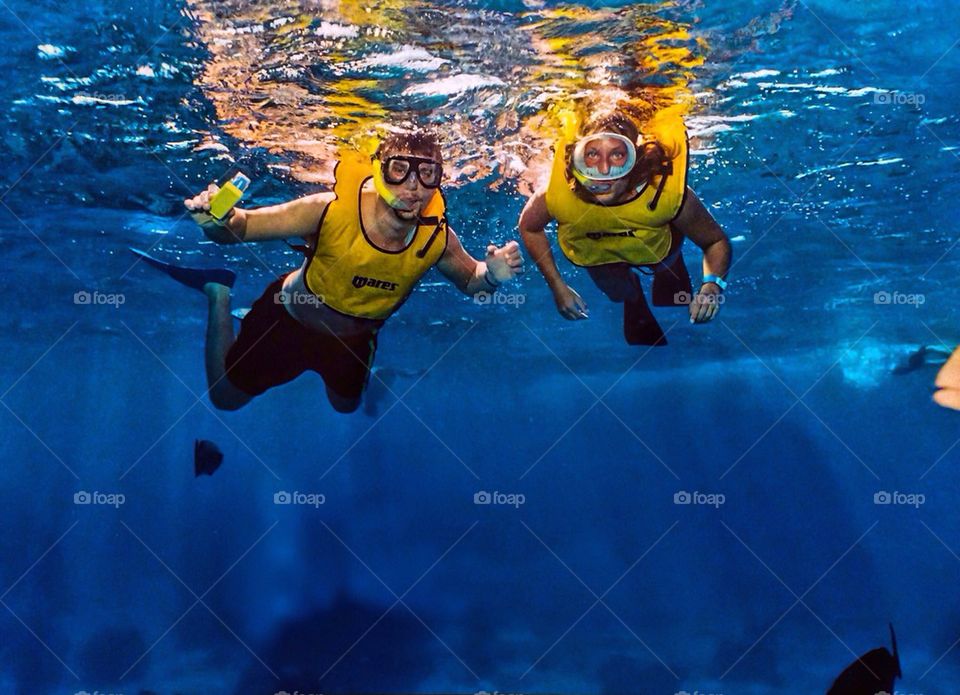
column 352, row 275
column 636, row 232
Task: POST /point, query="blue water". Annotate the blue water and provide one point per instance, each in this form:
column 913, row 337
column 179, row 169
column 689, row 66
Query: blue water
column 827, row 145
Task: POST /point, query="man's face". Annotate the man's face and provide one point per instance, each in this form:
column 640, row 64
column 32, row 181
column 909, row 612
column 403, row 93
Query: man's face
column 402, row 173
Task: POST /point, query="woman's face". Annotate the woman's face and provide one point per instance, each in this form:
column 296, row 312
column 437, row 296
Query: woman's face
column 603, row 155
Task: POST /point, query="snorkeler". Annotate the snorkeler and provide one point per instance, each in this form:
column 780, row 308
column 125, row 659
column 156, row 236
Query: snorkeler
column 622, row 202
column 369, row 241
column 947, row 383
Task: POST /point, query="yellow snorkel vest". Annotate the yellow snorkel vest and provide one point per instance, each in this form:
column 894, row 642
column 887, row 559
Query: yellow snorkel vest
column 637, row 232
column 347, row 271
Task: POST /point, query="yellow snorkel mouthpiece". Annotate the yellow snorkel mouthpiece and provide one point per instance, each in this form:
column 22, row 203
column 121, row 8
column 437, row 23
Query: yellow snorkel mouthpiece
column 385, row 193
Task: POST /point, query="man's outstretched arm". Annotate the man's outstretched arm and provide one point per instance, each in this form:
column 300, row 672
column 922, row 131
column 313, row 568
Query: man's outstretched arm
column 472, row 276
column 296, row 218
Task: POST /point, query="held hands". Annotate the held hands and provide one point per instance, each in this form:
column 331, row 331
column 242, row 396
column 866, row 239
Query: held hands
column 706, row 304
column 570, row 304
column 504, row 263
column 229, row 229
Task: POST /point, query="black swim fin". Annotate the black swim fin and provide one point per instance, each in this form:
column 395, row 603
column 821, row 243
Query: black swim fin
column 207, row 457
column 191, row 277
column 639, row 325
column 671, row 285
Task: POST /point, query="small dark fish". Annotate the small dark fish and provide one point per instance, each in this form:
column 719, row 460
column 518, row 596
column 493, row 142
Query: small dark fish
column 872, row 673
column 207, row 457
column 921, row 357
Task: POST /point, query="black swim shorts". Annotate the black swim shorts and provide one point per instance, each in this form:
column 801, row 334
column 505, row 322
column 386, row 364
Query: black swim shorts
column 274, row 348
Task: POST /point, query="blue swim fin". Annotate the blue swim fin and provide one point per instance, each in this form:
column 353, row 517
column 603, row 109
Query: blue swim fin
column 191, row 277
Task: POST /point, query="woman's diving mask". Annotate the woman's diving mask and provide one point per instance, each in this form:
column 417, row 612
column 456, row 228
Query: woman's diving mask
column 591, row 152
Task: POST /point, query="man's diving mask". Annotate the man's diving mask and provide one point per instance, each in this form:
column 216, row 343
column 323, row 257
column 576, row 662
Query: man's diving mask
column 396, row 170
column 589, row 152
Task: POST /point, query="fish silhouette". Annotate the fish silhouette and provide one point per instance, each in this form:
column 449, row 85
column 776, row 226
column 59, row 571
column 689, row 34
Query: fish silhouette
column 207, row 457
column 873, row 673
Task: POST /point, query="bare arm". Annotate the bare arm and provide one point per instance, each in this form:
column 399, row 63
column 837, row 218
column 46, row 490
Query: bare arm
column 296, row 218
column 533, row 220
column 469, row 274
column 696, row 223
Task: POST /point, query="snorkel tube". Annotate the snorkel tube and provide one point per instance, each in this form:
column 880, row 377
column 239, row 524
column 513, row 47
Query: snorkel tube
column 389, row 198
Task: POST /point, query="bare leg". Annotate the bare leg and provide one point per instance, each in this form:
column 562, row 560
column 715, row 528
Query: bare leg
column 223, row 394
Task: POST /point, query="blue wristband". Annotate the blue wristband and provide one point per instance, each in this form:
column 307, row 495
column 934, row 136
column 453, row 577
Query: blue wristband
column 715, row 279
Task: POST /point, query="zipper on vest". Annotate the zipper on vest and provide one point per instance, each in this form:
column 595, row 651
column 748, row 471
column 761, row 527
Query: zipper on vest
column 436, row 230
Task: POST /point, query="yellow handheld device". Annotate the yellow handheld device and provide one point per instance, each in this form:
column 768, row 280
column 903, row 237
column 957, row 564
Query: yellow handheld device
column 229, row 195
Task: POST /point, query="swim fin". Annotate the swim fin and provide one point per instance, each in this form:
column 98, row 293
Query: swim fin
column 191, row 277
column 671, row 285
column 639, row 325
column 207, row 457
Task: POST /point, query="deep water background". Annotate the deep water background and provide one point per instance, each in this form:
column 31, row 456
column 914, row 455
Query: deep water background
column 832, row 189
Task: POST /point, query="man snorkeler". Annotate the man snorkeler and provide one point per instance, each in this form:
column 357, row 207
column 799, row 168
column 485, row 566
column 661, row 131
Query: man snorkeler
column 369, row 241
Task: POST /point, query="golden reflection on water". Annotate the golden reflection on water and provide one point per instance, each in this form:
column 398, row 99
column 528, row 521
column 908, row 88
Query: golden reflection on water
column 300, row 78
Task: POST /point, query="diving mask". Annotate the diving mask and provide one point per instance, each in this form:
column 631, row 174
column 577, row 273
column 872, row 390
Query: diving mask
column 590, row 151
column 396, row 170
